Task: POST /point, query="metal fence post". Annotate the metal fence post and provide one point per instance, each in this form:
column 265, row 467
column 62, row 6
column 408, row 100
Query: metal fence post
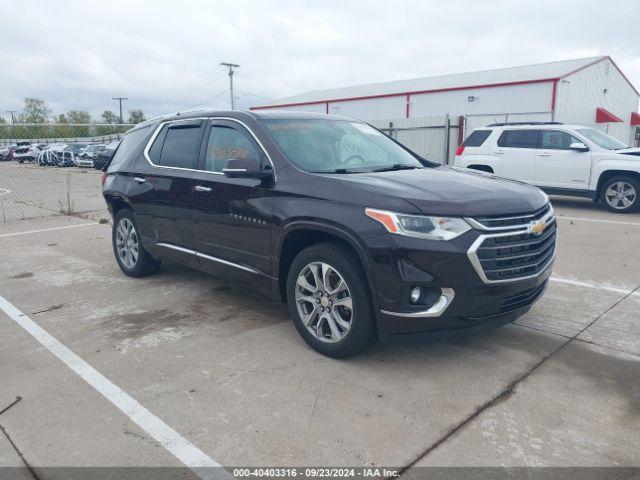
column 447, row 135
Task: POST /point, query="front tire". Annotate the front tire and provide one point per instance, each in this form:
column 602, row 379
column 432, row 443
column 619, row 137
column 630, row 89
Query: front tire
column 620, row 194
column 131, row 256
column 329, row 300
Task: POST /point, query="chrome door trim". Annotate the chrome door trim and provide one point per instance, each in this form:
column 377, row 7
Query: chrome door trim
column 436, row 310
column 206, row 257
column 162, row 124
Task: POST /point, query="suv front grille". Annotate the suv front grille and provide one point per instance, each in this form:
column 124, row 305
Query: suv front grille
column 515, row 255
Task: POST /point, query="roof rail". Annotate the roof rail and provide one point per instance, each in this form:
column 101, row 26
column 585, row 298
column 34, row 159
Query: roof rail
column 522, row 123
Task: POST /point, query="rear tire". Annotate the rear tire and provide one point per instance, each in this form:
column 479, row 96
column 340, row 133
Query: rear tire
column 620, row 194
column 328, row 276
column 131, row 256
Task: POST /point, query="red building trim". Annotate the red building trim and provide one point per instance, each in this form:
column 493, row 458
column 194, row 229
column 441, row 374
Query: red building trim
column 554, row 91
column 635, row 118
column 400, row 94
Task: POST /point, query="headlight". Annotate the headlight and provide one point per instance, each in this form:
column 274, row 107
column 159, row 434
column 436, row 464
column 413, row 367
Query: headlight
column 432, row 228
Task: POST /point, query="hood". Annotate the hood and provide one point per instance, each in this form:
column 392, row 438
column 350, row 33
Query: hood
column 450, row 191
column 629, row 151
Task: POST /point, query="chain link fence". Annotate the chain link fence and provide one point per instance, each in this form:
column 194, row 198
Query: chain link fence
column 54, row 169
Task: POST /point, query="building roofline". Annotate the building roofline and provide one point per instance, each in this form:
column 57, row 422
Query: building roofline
column 402, row 94
column 449, row 89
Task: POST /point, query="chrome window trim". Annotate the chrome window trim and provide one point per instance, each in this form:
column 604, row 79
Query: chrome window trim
column 475, row 261
column 206, row 257
column 240, row 122
column 436, row 310
column 479, row 226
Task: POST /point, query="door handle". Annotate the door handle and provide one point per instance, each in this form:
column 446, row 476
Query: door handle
column 499, row 152
column 544, row 154
column 202, row 188
column 139, row 179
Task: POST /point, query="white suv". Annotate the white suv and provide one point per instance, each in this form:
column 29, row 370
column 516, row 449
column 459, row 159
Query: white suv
column 561, row 159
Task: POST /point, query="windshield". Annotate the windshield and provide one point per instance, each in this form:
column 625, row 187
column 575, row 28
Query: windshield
column 338, row 146
column 602, row 139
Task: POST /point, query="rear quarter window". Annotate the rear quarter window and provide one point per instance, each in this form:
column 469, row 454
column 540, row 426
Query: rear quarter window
column 129, row 144
column 477, row 138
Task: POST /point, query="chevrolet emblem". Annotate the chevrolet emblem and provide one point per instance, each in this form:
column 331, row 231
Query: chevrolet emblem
column 537, row 227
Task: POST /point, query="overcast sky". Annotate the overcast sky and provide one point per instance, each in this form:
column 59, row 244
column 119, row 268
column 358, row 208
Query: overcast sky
column 165, row 55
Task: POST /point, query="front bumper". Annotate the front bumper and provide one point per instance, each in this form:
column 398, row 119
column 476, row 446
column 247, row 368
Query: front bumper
column 463, row 298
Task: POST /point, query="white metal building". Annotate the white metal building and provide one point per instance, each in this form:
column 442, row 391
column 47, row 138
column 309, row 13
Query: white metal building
column 590, row 91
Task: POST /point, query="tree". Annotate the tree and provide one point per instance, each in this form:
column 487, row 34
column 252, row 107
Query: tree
column 78, row 116
column 35, row 111
column 2, row 121
column 61, row 119
column 136, row 116
column 109, row 117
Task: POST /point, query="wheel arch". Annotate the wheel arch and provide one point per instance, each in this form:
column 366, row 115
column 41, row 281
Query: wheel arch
column 115, row 203
column 606, row 175
column 299, row 235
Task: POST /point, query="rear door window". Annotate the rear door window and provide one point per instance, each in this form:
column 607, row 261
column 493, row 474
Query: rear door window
column 181, row 145
column 519, row 139
column 477, row 138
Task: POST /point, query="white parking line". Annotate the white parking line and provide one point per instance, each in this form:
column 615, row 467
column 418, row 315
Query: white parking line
column 4, row 191
column 599, row 286
column 15, row 234
column 597, row 220
column 180, row 447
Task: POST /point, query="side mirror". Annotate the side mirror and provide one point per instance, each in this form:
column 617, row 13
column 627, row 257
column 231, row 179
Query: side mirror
column 579, row 147
column 245, row 168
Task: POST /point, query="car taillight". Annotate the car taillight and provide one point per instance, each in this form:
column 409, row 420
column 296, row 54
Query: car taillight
column 460, row 150
column 103, row 177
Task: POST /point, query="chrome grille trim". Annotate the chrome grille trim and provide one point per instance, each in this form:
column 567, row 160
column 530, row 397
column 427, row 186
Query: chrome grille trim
column 514, row 222
column 548, row 241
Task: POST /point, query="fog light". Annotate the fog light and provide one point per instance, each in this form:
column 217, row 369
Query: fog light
column 415, row 294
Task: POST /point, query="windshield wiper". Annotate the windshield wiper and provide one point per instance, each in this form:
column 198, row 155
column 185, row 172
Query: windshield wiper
column 397, row 166
column 337, row 170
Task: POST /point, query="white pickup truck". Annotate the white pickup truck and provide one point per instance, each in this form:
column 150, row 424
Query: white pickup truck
column 561, row 159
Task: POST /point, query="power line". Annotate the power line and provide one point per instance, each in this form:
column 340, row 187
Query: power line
column 120, row 99
column 231, row 67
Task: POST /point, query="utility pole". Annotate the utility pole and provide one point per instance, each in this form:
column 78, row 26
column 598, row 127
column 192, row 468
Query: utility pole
column 13, row 115
column 231, row 67
column 120, row 99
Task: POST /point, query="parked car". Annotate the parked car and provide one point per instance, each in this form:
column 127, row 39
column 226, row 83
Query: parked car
column 103, row 156
column 571, row 160
column 5, row 154
column 49, row 155
column 359, row 235
column 67, row 157
column 25, row 153
column 86, row 156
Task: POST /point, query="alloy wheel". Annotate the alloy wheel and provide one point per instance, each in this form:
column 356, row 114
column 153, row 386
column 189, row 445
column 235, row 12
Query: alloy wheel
column 620, row 195
column 127, row 243
column 324, row 302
